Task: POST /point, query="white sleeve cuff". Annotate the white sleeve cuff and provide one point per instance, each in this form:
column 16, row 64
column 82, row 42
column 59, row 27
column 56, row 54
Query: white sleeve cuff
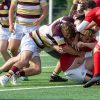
column 82, row 26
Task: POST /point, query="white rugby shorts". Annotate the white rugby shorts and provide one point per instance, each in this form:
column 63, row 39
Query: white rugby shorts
column 77, row 74
column 21, row 30
column 4, row 33
column 27, row 44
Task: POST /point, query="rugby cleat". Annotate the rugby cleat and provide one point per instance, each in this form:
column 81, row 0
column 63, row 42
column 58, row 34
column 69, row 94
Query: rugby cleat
column 93, row 81
column 57, row 78
column 4, row 80
column 24, row 78
column 13, row 80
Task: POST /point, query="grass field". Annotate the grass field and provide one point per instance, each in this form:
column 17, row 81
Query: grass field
column 39, row 88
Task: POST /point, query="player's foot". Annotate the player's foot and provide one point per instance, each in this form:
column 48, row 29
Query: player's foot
column 4, row 80
column 24, row 78
column 94, row 80
column 57, row 78
column 14, row 81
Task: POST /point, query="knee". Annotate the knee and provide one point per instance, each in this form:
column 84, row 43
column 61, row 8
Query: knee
column 37, row 70
column 14, row 51
column 24, row 62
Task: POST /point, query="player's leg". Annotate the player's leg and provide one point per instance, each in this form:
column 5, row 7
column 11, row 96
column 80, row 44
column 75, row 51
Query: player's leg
column 7, row 65
column 14, row 45
column 3, row 49
column 15, row 39
column 4, row 36
column 34, row 69
column 79, row 74
column 24, row 60
column 27, row 49
column 55, row 75
column 89, row 64
column 27, row 30
column 96, row 77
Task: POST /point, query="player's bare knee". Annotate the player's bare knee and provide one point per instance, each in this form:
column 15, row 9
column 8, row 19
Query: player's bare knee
column 14, row 51
column 24, row 62
column 36, row 70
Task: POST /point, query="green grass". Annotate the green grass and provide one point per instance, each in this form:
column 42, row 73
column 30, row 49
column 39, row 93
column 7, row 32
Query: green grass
column 39, row 88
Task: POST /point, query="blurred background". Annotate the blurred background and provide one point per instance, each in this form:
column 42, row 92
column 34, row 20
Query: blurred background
column 57, row 8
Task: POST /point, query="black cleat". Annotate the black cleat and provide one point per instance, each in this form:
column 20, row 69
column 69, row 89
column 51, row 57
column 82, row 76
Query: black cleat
column 94, row 80
column 56, row 78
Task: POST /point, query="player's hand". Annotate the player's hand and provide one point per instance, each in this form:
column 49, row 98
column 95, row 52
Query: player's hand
column 80, row 45
column 37, row 22
column 59, row 49
column 11, row 28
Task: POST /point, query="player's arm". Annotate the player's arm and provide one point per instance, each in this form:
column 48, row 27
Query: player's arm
column 88, row 19
column 59, row 49
column 67, row 49
column 11, row 14
column 89, row 45
column 91, row 25
column 70, row 50
column 44, row 14
column 82, row 26
column 64, row 47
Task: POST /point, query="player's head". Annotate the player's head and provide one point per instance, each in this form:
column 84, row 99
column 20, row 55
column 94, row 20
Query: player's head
column 90, row 4
column 87, row 35
column 67, row 30
column 79, row 19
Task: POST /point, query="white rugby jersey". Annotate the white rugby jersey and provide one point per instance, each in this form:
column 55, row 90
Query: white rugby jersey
column 4, row 21
column 28, row 10
column 51, row 34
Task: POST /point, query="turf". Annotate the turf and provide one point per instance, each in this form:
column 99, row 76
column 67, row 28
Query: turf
column 39, row 88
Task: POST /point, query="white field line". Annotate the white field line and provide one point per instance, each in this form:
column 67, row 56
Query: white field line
column 42, row 55
column 49, row 67
column 37, row 88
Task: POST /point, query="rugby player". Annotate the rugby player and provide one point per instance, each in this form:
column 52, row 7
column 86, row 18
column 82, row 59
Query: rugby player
column 93, row 15
column 47, row 37
column 79, row 68
column 4, row 28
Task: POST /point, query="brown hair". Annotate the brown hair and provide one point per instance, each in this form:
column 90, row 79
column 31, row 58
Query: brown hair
column 69, row 28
